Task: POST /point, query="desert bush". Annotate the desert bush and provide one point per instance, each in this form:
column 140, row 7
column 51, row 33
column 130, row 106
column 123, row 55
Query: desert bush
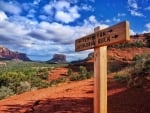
column 37, row 83
column 121, row 78
column 89, row 74
column 70, row 72
column 147, row 66
column 135, row 81
column 43, row 73
column 83, row 74
column 19, row 77
column 23, row 87
column 57, row 81
column 148, row 41
column 75, row 77
column 5, row 92
column 127, row 45
column 141, row 57
column 138, row 44
column 141, row 65
column 139, row 71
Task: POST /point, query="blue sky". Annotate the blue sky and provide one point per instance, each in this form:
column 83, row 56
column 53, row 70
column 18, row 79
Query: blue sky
column 41, row 28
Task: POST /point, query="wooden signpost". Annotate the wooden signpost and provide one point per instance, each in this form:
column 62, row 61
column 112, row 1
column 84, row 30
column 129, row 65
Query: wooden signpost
column 99, row 40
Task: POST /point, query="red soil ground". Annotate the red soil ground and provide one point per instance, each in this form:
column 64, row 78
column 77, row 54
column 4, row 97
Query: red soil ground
column 127, row 53
column 77, row 97
column 57, row 73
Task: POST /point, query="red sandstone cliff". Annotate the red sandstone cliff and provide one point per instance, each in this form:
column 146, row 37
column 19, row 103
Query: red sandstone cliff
column 5, row 53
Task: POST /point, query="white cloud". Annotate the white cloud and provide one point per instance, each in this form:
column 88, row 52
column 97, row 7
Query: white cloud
column 31, row 13
column 147, row 25
column 147, row 28
column 121, row 15
column 63, row 36
column 86, row 7
column 65, row 11
column 61, row 5
column 116, row 19
column 62, row 11
column 49, row 9
column 132, row 32
column 92, row 19
column 92, row 0
column 43, row 17
column 13, row 32
column 35, row 2
column 67, row 17
column 134, row 8
column 107, row 20
column 135, row 13
column 3, row 16
column 147, row 8
column 10, row 8
column 21, row 34
column 27, row 6
column 133, row 4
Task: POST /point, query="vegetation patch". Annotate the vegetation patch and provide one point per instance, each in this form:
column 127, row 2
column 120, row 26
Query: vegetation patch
column 83, row 74
column 19, row 77
column 139, row 71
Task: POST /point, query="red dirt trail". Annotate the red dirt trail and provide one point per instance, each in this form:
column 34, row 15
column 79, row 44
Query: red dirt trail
column 77, row 97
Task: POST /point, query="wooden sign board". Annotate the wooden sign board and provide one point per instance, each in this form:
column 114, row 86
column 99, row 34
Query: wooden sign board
column 99, row 40
column 114, row 34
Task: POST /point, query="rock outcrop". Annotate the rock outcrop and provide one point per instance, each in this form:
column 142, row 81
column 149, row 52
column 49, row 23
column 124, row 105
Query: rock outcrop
column 7, row 54
column 58, row 58
column 90, row 56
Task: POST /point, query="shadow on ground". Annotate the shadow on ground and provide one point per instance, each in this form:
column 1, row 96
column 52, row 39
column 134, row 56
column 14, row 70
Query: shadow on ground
column 134, row 100
column 58, row 105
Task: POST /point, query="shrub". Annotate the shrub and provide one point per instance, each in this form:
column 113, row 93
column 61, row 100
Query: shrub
column 141, row 57
column 23, row 76
column 83, row 74
column 147, row 66
column 57, row 81
column 5, row 92
column 36, row 82
column 120, row 78
column 140, row 70
column 43, row 75
column 70, row 72
column 141, row 65
column 89, row 74
column 23, row 87
column 75, row 77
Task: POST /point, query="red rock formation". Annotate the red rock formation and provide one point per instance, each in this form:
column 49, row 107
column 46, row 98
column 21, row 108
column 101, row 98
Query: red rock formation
column 5, row 53
column 58, row 58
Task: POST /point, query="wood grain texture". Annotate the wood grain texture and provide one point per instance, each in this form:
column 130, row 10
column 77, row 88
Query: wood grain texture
column 111, row 35
column 100, row 79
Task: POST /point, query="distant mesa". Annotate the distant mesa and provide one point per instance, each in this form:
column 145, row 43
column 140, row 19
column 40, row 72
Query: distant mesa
column 58, row 58
column 90, row 56
column 6, row 54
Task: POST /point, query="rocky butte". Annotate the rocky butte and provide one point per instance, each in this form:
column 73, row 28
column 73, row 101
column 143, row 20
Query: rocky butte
column 7, row 54
column 58, row 58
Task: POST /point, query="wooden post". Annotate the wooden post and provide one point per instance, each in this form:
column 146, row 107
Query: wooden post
column 100, row 78
column 99, row 40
